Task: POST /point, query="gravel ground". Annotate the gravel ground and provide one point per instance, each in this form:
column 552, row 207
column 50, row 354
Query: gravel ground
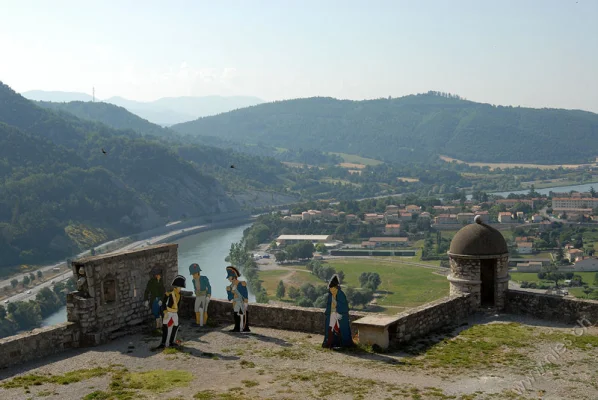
column 279, row 364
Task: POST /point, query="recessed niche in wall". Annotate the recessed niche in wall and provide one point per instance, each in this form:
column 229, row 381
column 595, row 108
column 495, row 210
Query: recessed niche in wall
column 109, row 290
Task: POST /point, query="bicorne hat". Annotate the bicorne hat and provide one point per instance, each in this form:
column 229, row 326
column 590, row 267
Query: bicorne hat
column 179, row 281
column 193, row 268
column 232, row 272
column 334, row 281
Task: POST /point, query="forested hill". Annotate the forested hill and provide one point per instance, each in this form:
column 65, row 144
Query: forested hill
column 120, row 118
column 109, row 114
column 412, row 128
column 60, row 194
column 257, row 169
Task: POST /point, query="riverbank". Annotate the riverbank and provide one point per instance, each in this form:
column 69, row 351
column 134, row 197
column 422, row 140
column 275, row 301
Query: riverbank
column 206, row 245
column 174, row 234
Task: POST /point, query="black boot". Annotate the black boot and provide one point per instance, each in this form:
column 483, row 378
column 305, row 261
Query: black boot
column 246, row 328
column 237, row 327
column 164, row 335
column 173, row 342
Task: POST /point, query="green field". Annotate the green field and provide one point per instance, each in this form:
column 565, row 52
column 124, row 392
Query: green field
column 405, row 285
column 341, row 181
column 355, row 159
column 578, row 292
column 538, row 255
column 588, row 277
column 271, row 278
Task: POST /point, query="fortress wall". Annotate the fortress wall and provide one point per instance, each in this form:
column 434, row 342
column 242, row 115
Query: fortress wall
column 38, row 343
column 551, row 307
column 292, row 318
column 420, row 321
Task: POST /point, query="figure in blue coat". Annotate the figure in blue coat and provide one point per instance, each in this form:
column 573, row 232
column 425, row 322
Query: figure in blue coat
column 203, row 294
column 238, row 294
column 338, row 328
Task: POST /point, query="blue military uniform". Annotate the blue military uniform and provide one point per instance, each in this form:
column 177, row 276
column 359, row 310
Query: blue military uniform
column 237, row 292
column 203, row 293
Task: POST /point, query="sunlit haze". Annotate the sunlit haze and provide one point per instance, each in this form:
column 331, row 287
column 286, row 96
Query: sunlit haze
column 529, row 53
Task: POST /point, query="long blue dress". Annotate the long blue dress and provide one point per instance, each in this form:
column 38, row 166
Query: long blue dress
column 342, row 307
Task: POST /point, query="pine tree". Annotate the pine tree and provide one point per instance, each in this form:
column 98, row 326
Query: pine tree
column 280, row 290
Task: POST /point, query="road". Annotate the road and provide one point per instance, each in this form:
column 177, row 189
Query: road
column 34, row 290
column 48, row 268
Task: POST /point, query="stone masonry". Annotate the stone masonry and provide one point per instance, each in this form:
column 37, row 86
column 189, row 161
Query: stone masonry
column 551, row 307
column 465, row 277
column 479, row 250
column 115, row 284
column 422, row 320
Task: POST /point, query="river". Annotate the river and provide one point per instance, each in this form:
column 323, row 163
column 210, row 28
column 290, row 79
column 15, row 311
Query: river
column 562, row 189
column 208, row 249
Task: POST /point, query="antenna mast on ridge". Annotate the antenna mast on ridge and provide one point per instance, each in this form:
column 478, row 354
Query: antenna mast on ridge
column 93, row 94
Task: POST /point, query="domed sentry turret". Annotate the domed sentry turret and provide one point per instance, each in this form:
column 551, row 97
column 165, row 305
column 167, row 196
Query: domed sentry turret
column 479, row 260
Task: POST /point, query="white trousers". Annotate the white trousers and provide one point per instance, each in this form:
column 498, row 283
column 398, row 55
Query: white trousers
column 175, row 322
column 334, row 318
column 201, row 303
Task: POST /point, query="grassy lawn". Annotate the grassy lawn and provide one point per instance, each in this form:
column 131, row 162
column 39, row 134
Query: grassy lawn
column 271, row 278
column 578, row 292
column 538, row 255
column 588, row 277
column 406, row 285
column 355, row 159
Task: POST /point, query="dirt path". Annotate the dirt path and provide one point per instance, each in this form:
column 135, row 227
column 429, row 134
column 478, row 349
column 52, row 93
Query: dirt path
column 277, row 364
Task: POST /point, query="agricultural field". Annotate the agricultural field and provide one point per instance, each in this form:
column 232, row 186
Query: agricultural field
column 494, row 166
column 408, row 180
column 341, row 181
column 356, row 161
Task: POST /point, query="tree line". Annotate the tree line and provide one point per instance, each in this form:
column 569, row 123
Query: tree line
column 25, row 315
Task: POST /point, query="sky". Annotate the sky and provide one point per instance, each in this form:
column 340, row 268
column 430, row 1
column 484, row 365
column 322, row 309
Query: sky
column 531, row 53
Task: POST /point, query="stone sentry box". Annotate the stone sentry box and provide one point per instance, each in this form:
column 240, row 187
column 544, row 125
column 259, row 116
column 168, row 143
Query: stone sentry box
column 479, row 262
column 111, row 300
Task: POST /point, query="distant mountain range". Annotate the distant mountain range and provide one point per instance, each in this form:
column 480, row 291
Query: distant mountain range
column 411, row 128
column 165, row 111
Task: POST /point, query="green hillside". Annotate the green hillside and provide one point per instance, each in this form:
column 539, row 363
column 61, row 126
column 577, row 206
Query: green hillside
column 411, row 128
column 108, row 114
column 55, row 181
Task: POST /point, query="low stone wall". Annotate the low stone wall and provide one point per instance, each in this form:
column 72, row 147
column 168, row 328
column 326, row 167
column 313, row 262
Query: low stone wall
column 301, row 319
column 420, row 321
column 37, row 343
column 552, row 308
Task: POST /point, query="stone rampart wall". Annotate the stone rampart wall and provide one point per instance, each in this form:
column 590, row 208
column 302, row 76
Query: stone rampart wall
column 551, row 308
column 292, row 318
column 420, row 321
column 38, row 343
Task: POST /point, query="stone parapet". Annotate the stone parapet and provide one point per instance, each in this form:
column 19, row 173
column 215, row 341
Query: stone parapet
column 38, row 343
column 293, row 318
column 420, row 321
column 551, row 307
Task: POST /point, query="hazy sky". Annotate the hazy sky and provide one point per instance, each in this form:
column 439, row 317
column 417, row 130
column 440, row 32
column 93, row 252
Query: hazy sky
column 540, row 53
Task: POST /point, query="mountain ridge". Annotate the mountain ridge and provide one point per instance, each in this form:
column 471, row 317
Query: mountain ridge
column 162, row 111
column 411, row 128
